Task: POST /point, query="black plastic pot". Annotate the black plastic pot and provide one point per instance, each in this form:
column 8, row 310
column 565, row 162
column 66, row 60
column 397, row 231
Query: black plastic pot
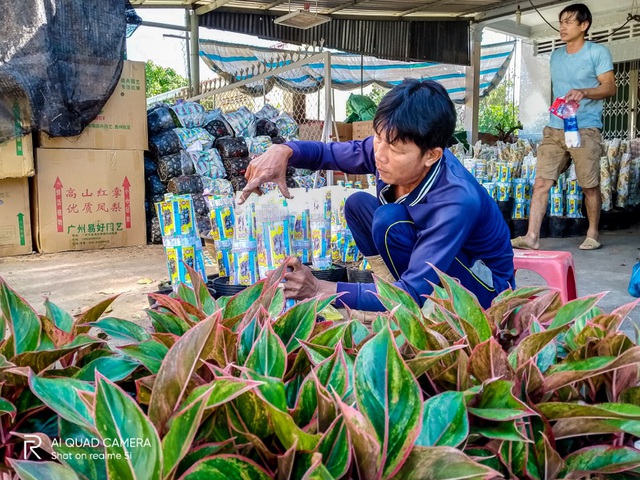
column 337, row 273
column 506, row 208
column 520, row 227
column 576, row 227
column 223, row 288
column 355, row 275
column 162, row 291
column 544, row 227
column 557, row 227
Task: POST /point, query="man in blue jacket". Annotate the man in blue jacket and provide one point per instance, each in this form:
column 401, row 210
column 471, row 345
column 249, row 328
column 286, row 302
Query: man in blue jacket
column 429, row 210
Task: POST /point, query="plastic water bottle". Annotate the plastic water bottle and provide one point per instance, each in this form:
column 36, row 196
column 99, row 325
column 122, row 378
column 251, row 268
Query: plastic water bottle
column 571, row 133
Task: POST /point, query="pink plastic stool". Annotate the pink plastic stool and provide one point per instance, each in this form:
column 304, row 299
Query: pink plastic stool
column 555, row 267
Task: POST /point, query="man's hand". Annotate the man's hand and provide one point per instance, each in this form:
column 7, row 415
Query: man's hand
column 574, row 94
column 271, row 166
column 300, row 284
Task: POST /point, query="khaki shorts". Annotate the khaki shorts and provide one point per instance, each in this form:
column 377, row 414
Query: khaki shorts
column 554, row 157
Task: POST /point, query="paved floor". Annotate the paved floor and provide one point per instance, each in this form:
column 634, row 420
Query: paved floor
column 77, row 280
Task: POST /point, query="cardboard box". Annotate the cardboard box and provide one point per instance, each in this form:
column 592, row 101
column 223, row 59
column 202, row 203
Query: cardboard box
column 15, row 218
column 362, row 130
column 312, row 130
column 344, row 131
column 16, row 158
column 122, row 123
column 88, row 199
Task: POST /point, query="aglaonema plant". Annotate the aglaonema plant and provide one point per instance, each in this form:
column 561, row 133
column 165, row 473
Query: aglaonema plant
column 237, row 388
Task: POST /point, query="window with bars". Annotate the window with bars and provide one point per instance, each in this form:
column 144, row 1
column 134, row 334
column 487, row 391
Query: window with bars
column 620, row 113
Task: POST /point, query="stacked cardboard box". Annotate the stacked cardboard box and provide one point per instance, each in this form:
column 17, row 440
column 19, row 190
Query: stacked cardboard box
column 16, row 164
column 89, row 189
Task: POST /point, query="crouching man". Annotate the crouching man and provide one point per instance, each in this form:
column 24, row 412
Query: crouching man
column 429, row 210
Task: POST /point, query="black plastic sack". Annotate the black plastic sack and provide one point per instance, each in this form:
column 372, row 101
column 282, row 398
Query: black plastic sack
column 160, row 120
column 175, row 165
column 199, row 204
column 238, row 182
column 291, row 183
column 155, row 185
column 185, row 184
column 203, row 225
column 217, row 128
column 230, row 147
column 60, row 61
column 164, row 143
column 149, row 166
column 266, row 127
column 154, row 236
column 235, row 166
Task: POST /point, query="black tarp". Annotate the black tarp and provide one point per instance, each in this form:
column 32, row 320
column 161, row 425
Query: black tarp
column 60, row 60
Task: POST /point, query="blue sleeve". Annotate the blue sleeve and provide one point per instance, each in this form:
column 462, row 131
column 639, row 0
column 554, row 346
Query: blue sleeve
column 447, row 229
column 355, row 157
column 602, row 60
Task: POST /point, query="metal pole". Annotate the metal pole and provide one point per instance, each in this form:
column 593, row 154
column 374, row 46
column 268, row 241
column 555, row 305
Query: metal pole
column 195, row 53
column 472, row 94
column 328, row 109
column 188, row 48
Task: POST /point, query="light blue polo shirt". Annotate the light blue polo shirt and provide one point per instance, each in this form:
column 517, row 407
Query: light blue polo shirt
column 580, row 70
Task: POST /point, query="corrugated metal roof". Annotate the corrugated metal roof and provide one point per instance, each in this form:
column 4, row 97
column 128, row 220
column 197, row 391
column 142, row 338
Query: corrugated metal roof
column 435, row 41
column 433, row 30
column 358, row 8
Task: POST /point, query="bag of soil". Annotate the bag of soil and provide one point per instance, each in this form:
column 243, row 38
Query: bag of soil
column 195, row 138
column 189, row 114
column 242, row 121
column 207, row 163
column 159, row 120
column 218, row 186
column 257, row 145
column 267, row 112
column 199, row 204
column 236, row 166
column 266, row 127
column 149, row 166
column 155, row 186
column 164, row 143
column 217, row 128
column 230, row 147
column 287, row 126
column 238, row 183
column 175, row 165
column 153, row 231
column 185, row 184
column 204, row 225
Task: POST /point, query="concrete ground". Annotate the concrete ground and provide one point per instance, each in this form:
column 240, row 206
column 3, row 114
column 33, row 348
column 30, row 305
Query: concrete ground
column 77, row 280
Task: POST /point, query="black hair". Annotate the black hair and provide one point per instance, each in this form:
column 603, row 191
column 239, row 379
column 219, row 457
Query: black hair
column 418, row 111
column 582, row 14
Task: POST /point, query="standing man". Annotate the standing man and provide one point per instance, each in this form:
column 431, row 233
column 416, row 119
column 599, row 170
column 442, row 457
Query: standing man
column 581, row 71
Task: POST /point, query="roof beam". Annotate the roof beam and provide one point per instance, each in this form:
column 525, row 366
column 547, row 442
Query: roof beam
column 491, row 12
column 351, row 3
column 212, row 6
column 422, row 7
column 273, row 4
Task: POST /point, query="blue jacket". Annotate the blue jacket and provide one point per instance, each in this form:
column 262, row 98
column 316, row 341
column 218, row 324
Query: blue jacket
column 451, row 211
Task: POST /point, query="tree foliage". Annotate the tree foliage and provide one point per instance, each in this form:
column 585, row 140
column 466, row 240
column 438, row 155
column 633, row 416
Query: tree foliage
column 162, row 79
column 498, row 109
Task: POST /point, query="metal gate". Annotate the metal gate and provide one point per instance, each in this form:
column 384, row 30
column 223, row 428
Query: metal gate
column 620, row 113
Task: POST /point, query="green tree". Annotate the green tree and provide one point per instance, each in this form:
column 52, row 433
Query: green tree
column 497, row 110
column 162, row 79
